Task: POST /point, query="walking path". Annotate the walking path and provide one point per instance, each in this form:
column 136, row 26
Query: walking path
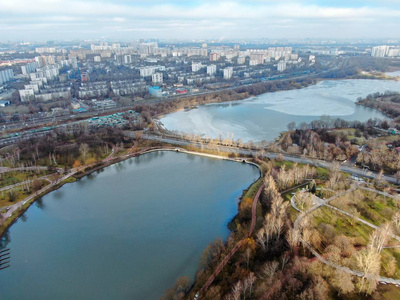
column 320, row 257
column 8, row 187
column 226, row 259
column 5, row 169
column 17, row 206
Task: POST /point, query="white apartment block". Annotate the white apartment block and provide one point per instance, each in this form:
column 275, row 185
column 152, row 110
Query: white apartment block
column 211, row 70
column 228, row 73
column 33, row 87
column 29, row 68
column 281, row 66
column 380, row 51
column 147, row 71
column 127, row 59
column 196, row 67
column 6, row 75
column 26, row 95
column 157, row 78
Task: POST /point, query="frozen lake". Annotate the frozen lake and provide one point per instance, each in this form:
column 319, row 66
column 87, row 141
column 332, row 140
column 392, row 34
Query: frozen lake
column 265, row 116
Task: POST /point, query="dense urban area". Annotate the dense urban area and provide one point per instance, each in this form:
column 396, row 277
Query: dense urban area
column 321, row 222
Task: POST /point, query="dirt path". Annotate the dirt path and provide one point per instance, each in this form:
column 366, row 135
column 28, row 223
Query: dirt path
column 237, row 246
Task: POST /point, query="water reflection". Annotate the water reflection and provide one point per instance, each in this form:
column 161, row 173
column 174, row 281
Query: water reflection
column 40, row 204
column 126, row 235
column 5, row 240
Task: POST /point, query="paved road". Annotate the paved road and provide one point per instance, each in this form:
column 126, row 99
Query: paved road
column 242, row 151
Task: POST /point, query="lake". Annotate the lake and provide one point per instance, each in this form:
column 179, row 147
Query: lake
column 264, row 117
column 126, row 232
column 393, row 74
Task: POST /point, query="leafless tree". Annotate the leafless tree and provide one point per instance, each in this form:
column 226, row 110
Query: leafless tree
column 269, row 269
column 368, row 261
column 381, row 236
column 84, row 150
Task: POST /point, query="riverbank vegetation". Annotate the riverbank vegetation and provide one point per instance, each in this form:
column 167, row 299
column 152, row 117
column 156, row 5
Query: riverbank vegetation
column 148, row 110
column 370, row 144
column 275, row 262
column 387, row 102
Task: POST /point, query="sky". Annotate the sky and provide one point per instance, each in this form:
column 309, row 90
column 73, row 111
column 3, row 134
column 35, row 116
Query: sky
column 41, row 20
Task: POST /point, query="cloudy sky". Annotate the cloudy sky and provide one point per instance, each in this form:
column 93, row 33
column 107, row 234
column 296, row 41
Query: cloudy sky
column 180, row 19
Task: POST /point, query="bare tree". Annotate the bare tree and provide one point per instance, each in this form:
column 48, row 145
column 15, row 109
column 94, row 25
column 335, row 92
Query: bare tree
column 381, row 236
column 368, row 261
column 303, row 200
column 84, row 150
column 342, row 281
column 269, row 269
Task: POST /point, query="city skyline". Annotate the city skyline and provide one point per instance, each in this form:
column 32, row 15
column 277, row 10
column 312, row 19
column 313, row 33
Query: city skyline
column 220, row 20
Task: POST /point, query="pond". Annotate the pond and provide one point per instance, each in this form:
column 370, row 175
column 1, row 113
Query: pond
column 126, row 232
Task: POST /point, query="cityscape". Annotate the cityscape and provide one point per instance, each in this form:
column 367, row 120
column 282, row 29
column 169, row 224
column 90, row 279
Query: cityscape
column 199, row 150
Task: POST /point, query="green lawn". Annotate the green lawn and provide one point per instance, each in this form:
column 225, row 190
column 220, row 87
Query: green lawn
column 373, row 208
column 341, row 224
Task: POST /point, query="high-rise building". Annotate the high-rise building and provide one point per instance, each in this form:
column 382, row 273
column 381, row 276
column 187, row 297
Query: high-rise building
column 27, row 95
column 196, row 67
column 29, row 68
column 6, row 75
column 214, row 56
column 157, row 78
column 147, row 71
column 228, row 73
column 241, row 60
column 380, row 51
column 211, row 70
column 127, row 59
column 281, row 66
column 147, row 48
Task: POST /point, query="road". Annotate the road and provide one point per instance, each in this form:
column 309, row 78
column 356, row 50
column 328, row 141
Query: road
column 242, row 151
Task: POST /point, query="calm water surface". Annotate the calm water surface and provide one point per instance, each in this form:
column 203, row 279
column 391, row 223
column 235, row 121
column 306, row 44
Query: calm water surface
column 127, row 232
column 393, row 74
column 264, row 117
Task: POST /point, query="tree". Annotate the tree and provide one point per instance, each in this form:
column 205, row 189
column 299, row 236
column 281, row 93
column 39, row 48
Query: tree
column 37, row 185
column 84, row 150
column 312, row 187
column 11, row 196
column 291, row 126
column 303, row 200
column 76, row 164
column 397, row 176
column 368, row 261
column 342, row 281
column 245, row 207
column 381, row 236
column 269, row 269
column 210, row 253
column 179, row 290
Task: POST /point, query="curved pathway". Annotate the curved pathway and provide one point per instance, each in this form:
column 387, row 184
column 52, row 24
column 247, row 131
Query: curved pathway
column 243, row 151
column 226, row 259
column 319, row 256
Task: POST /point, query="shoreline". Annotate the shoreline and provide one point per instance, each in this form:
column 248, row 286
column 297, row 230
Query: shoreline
column 25, row 204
